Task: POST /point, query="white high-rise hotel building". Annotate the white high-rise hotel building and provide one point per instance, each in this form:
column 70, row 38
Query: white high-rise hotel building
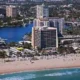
column 42, row 11
column 11, row 11
column 45, row 29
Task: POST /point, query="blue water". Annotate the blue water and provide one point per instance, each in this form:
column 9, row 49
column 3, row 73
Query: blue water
column 63, row 74
column 13, row 34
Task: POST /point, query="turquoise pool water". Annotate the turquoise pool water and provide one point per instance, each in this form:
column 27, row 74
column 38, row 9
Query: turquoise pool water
column 62, row 74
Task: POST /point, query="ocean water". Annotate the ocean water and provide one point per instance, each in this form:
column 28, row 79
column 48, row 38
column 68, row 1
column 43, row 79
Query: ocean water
column 62, row 74
column 13, row 34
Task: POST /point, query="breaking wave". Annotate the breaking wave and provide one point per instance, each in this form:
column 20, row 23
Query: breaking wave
column 27, row 77
column 63, row 73
column 41, row 75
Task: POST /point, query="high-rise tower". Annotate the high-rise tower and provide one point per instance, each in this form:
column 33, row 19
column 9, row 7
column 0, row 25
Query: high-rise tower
column 11, row 11
column 44, row 36
column 42, row 11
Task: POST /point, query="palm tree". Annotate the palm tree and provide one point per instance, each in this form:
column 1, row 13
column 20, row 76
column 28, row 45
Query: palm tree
column 3, row 54
column 61, row 49
column 43, row 51
column 1, row 23
column 39, row 49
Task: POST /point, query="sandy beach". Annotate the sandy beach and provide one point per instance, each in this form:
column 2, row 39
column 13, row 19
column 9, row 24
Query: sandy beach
column 51, row 62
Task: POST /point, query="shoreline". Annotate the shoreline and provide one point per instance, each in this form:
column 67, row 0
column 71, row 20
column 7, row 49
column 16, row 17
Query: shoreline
column 70, row 62
column 39, row 70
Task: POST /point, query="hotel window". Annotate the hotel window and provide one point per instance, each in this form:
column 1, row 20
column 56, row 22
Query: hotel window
column 41, row 23
column 51, row 24
column 47, row 23
column 35, row 24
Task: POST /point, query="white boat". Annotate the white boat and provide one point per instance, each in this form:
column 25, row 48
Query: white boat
column 24, row 24
column 2, row 40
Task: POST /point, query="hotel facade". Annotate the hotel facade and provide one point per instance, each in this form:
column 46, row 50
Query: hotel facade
column 45, row 38
column 11, row 11
column 45, row 29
